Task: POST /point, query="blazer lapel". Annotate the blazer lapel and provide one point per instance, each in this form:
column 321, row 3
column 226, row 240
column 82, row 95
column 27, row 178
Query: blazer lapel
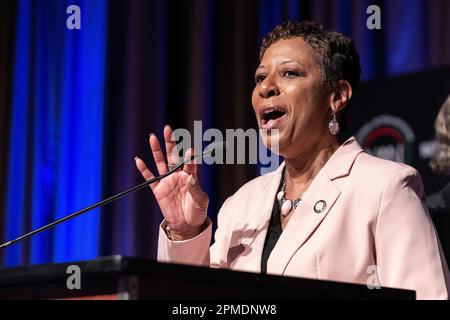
column 314, row 207
column 253, row 230
column 260, row 210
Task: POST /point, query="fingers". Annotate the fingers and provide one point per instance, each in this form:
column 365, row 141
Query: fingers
column 198, row 195
column 146, row 173
column 158, row 155
column 190, row 167
column 171, row 149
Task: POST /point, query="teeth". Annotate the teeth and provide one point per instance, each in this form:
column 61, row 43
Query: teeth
column 272, row 110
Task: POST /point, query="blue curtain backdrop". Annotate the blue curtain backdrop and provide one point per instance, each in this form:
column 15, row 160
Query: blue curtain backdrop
column 78, row 105
column 55, row 158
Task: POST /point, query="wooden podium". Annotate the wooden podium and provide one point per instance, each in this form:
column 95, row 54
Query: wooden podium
column 121, row 278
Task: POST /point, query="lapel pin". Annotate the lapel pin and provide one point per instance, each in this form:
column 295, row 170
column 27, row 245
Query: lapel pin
column 320, row 206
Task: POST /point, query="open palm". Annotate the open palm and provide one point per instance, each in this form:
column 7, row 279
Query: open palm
column 181, row 200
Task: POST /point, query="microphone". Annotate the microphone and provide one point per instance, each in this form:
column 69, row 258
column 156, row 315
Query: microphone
column 216, row 147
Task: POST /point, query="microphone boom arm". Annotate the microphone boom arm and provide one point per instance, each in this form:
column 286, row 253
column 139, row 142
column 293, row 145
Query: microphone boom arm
column 99, row 204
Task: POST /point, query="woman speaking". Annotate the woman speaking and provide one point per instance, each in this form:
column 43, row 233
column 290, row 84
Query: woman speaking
column 330, row 211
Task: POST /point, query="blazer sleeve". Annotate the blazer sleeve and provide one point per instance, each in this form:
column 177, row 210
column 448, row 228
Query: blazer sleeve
column 408, row 252
column 197, row 251
column 194, row 251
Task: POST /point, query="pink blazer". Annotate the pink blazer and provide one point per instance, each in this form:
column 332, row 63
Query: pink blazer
column 374, row 228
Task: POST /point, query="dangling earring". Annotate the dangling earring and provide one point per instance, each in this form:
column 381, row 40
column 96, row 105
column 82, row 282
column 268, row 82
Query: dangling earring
column 333, row 125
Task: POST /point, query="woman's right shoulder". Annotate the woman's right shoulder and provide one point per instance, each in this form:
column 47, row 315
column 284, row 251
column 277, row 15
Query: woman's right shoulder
column 257, row 183
column 253, row 187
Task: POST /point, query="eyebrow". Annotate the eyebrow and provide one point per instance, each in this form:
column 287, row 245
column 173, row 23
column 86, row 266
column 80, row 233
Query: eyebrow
column 284, row 62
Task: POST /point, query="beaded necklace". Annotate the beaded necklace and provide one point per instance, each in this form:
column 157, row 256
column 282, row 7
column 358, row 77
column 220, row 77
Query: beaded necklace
column 284, row 204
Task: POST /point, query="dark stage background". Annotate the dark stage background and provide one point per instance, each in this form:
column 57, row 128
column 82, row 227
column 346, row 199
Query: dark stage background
column 76, row 106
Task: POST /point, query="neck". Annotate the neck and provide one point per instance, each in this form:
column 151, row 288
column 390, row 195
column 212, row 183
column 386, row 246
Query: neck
column 301, row 169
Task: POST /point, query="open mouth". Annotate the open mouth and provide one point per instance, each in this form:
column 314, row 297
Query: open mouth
column 271, row 116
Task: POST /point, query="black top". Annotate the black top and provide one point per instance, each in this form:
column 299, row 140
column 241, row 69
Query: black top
column 273, row 232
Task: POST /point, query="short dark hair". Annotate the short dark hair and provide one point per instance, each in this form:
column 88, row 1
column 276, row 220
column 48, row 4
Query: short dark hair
column 337, row 54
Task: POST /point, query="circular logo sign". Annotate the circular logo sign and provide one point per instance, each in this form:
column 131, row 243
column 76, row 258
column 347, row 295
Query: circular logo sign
column 387, row 137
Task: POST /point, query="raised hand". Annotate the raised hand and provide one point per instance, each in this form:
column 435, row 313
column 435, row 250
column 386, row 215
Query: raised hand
column 182, row 202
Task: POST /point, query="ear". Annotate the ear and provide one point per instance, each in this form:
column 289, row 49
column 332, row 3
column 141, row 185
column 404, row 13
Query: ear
column 340, row 95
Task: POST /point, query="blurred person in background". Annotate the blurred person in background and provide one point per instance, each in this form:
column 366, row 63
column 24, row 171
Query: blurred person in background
column 439, row 202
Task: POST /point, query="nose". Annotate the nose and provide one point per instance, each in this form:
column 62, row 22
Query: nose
column 268, row 88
